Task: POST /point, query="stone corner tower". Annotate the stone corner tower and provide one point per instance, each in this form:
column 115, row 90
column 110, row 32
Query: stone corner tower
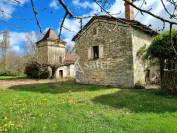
column 50, row 49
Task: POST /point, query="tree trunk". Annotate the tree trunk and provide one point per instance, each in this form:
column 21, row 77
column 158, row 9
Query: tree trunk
column 54, row 68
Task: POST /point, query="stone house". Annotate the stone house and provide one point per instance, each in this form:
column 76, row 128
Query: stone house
column 51, row 51
column 67, row 70
column 107, row 48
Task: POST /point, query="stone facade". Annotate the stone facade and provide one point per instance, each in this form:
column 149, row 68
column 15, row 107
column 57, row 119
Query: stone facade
column 50, row 52
column 115, row 66
column 118, row 64
column 141, row 40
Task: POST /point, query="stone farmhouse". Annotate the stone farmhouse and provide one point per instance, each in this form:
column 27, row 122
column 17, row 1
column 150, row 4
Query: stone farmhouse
column 51, row 51
column 107, row 48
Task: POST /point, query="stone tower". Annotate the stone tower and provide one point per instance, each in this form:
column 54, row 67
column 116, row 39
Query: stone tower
column 50, row 50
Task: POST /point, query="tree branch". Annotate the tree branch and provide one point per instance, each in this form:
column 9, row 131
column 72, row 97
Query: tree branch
column 36, row 16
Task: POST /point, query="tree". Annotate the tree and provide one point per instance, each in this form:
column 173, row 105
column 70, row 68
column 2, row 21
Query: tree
column 162, row 49
column 4, row 47
column 30, row 51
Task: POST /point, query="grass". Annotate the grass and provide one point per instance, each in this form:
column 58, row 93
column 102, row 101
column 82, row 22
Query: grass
column 11, row 77
column 74, row 108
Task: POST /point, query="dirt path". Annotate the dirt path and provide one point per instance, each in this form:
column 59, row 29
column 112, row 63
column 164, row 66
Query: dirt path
column 9, row 83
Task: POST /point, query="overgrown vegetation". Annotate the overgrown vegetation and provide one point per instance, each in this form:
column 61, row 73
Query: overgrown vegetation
column 161, row 47
column 74, row 108
column 37, row 71
column 10, row 73
column 164, row 47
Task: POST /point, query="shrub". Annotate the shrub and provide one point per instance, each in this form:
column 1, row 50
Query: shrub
column 9, row 73
column 37, row 71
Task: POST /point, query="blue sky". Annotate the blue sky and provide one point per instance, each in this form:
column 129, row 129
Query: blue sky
column 19, row 19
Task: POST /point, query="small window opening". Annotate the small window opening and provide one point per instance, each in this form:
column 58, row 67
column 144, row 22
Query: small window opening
column 95, row 52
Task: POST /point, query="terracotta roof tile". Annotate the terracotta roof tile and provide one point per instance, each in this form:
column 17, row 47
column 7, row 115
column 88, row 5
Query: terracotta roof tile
column 51, row 36
column 70, row 58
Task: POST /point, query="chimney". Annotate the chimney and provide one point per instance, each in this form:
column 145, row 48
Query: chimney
column 129, row 10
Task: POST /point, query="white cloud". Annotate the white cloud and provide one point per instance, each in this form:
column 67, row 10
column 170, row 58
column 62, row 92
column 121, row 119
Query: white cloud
column 54, row 4
column 118, row 9
column 85, row 4
column 17, row 37
column 17, row 40
column 157, row 9
column 8, row 7
column 72, row 25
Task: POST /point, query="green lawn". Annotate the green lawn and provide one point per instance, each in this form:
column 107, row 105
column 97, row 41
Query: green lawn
column 74, row 108
column 11, row 77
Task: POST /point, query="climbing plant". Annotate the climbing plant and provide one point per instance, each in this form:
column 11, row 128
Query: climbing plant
column 164, row 47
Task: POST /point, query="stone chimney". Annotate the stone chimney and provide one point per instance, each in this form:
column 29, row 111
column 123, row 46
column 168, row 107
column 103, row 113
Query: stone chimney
column 129, row 11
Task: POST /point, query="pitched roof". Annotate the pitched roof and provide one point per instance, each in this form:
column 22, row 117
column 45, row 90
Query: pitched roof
column 70, row 58
column 133, row 23
column 50, row 36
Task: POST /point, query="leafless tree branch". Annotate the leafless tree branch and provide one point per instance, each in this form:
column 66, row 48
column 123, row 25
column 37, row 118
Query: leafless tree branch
column 62, row 22
column 36, row 16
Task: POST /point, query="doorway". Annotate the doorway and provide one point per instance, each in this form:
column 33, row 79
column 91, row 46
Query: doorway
column 61, row 74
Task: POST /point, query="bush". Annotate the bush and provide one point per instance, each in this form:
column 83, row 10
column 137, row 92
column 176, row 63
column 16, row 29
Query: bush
column 161, row 47
column 9, row 73
column 37, row 71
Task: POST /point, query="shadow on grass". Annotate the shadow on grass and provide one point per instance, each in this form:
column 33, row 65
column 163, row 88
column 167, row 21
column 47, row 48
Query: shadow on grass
column 132, row 99
column 139, row 101
column 55, row 88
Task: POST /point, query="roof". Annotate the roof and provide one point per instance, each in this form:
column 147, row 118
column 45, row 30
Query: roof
column 50, row 36
column 133, row 23
column 70, row 58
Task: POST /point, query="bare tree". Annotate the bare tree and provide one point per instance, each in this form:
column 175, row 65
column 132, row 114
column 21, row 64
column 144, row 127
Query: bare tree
column 30, row 47
column 4, row 47
column 16, row 61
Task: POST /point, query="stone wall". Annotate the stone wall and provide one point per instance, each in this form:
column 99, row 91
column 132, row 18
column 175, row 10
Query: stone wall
column 65, row 70
column 143, row 40
column 56, row 54
column 72, row 71
column 50, row 53
column 42, row 57
column 68, row 71
column 115, row 67
column 140, row 40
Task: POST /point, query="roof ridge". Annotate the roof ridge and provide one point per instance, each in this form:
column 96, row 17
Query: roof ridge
column 133, row 23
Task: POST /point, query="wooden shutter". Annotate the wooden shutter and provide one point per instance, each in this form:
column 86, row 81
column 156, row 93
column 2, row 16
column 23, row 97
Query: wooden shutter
column 101, row 51
column 90, row 53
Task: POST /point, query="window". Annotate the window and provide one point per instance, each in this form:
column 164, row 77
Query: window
column 95, row 52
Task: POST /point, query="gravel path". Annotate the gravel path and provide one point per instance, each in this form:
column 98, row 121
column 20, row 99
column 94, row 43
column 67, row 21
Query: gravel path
column 4, row 84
